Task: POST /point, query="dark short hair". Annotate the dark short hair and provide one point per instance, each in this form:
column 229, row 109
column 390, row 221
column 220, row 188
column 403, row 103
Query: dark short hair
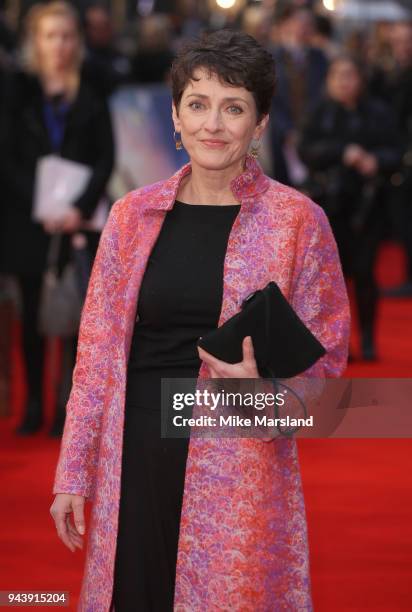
column 233, row 56
column 324, row 26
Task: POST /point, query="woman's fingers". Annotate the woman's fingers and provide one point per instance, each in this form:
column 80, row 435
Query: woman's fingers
column 247, row 347
column 50, row 226
column 215, row 364
column 63, row 506
column 78, row 515
column 62, row 530
column 76, row 539
column 68, row 532
column 244, row 369
column 249, row 360
column 210, row 359
column 72, row 220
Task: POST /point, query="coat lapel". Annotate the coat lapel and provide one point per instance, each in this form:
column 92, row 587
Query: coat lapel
column 33, row 117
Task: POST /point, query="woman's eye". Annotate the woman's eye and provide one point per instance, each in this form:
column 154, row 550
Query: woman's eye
column 235, row 110
column 195, row 105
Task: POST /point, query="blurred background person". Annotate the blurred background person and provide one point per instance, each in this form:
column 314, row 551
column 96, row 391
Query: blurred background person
column 374, row 45
column 154, row 57
column 324, row 36
column 393, row 82
column 300, row 79
column 7, row 48
column 7, row 51
column 189, row 20
column 48, row 109
column 351, row 146
column 255, row 24
column 7, row 37
column 105, row 66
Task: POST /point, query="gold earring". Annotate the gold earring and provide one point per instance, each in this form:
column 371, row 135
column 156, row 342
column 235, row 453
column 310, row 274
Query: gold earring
column 254, row 150
column 178, row 142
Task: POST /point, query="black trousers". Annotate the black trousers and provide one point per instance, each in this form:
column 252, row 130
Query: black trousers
column 400, row 218
column 358, row 252
column 33, row 343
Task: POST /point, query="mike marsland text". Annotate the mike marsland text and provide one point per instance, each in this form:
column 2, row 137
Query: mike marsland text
column 238, row 421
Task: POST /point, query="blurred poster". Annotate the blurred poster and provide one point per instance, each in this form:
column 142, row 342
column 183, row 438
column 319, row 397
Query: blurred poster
column 145, row 147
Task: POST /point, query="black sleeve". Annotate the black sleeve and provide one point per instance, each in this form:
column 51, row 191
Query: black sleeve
column 319, row 149
column 387, row 145
column 16, row 180
column 102, row 168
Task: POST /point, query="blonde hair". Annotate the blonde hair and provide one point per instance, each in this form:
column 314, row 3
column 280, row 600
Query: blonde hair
column 57, row 8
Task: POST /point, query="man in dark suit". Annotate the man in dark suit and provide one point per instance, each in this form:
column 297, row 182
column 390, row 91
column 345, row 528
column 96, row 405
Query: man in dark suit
column 301, row 71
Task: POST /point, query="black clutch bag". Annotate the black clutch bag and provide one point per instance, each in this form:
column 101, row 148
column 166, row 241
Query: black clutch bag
column 283, row 345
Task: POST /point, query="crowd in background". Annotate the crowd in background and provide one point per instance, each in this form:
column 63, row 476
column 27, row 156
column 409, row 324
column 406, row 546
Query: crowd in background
column 340, row 130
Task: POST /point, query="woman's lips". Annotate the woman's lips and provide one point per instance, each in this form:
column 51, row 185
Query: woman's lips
column 214, row 144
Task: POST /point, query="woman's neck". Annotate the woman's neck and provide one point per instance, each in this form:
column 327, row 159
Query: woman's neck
column 350, row 104
column 60, row 82
column 204, row 186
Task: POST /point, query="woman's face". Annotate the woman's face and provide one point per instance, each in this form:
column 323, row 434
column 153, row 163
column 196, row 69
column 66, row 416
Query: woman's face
column 344, row 82
column 56, row 43
column 216, row 121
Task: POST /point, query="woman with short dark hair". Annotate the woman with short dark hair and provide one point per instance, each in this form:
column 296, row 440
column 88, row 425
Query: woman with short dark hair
column 198, row 524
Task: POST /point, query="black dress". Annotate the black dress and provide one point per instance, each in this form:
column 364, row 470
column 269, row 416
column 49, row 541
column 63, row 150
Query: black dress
column 179, row 300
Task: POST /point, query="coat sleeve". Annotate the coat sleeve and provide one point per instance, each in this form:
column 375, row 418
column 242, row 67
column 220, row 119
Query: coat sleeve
column 15, row 177
column 103, row 166
column 319, row 294
column 76, row 467
column 318, row 148
column 319, row 297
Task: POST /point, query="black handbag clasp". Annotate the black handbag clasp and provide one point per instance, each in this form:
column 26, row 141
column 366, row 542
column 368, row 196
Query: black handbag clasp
column 249, row 297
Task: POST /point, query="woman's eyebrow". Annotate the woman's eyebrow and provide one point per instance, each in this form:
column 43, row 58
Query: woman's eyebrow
column 228, row 99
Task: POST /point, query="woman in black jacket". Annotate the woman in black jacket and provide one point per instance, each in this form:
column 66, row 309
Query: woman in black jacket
column 49, row 109
column 351, row 147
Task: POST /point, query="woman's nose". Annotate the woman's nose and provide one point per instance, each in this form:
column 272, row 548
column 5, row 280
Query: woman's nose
column 213, row 121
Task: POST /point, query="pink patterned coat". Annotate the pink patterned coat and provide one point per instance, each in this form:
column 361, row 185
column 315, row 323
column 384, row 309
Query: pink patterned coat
column 243, row 541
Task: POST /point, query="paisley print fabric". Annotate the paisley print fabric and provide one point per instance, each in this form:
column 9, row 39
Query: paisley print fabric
column 243, row 541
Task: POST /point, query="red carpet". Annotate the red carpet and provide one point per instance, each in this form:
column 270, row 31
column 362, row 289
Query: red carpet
column 358, row 495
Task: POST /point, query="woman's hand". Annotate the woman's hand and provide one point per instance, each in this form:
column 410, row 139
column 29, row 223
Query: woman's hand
column 246, row 368
column 365, row 163
column 368, row 166
column 352, row 154
column 63, row 506
column 69, row 223
column 51, row 226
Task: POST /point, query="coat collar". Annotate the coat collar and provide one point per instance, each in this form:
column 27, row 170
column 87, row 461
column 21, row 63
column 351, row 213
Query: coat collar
column 246, row 187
